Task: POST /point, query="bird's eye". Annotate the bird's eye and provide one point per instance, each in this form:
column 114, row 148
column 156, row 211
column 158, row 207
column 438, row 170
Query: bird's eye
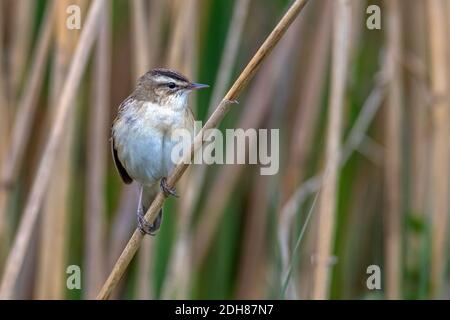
column 171, row 85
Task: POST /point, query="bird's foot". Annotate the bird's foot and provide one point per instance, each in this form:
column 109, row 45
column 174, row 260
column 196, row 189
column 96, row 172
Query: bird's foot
column 145, row 227
column 166, row 189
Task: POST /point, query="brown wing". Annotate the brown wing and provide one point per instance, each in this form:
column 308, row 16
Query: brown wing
column 122, row 172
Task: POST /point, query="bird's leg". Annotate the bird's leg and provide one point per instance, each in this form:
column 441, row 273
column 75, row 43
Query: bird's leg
column 168, row 191
column 144, row 226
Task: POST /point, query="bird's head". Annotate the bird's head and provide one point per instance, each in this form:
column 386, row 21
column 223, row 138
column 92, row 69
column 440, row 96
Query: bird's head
column 165, row 87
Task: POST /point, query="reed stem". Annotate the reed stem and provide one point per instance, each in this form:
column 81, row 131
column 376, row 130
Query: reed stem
column 393, row 212
column 440, row 118
column 27, row 224
column 212, row 122
column 328, row 195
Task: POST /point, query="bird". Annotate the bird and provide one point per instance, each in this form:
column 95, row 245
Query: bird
column 141, row 135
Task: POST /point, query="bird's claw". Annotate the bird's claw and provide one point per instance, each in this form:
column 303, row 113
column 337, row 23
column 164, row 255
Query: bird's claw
column 166, row 189
column 145, row 227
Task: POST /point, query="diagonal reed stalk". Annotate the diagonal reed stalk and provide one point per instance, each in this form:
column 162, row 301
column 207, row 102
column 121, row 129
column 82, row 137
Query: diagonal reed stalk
column 212, row 122
column 182, row 53
column 122, row 223
column 27, row 224
column 259, row 101
column 177, row 261
column 230, row 52
column 328, row 195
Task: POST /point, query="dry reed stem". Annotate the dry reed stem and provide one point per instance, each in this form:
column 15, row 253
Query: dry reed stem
column 190, row 195
column 178, row 38
column 308, row 106
column 33, row 205
column 190, row 49
column 97, row 153
column 176, row 283
column 305, row 124
column 123, row 222
column 356, row 231
column 358, row 19
column 253, row 255
column 21, row 43
column 141, row 49
column 179, row 266
column 157, row 14
column 141, row 52
column 223, row 77
column 5, row 69
column 416, row 102
column 313, row 184
column 4, row 126
column 440, row 142
column 4, row 138
column 416, row 106
column 327, row 200
column 53, row 233
column 229, row 55
column 187, row 63
column 259, row 102
column 212, row 122
column 122, row 225
column 175, row 44
column 25, row 111
column 393, row 212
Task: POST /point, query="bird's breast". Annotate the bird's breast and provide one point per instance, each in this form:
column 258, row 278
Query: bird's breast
column 144, row 141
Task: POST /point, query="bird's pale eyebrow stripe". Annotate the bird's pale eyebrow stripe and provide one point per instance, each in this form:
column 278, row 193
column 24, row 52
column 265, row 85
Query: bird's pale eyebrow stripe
column 164, row 79
column 169, row 74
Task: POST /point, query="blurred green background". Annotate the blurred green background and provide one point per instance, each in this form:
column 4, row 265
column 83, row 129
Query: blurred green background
column 224, row 237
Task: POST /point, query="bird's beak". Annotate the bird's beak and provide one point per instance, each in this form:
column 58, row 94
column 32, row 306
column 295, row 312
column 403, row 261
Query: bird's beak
column 197, row 86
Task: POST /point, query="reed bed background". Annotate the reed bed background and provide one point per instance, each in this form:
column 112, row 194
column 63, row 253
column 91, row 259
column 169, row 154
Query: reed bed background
column 364, row 149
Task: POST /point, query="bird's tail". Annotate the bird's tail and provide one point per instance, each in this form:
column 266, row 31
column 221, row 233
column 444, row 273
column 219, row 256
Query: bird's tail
column 148, row 195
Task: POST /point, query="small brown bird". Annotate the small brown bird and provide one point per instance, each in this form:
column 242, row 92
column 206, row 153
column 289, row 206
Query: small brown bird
column 142, row 140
